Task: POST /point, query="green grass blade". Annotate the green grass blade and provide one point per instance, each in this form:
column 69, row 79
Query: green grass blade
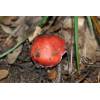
column 76, row 42
column 43, row 21
column 90, row 24
column 12, row 49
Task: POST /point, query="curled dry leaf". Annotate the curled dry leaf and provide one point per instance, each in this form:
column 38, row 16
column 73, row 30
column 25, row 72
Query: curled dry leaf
column 3, row 73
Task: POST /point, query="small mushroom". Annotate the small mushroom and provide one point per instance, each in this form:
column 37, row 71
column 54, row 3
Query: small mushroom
column 47, row 50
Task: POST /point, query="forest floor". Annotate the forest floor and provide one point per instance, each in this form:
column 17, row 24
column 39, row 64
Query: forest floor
column 24, row 70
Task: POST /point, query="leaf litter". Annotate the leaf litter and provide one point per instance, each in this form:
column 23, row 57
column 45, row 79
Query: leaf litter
column 22, row 30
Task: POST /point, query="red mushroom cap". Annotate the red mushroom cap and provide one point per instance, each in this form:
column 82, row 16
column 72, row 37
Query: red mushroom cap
column 47, row 50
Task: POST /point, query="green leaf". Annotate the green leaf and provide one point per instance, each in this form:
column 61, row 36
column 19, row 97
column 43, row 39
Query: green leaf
column 76, row 42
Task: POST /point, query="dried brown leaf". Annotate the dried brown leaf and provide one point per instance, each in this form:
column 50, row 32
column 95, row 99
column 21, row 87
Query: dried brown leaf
column 7, row 20
column 52, row 74
column 6, row 29
column 6, row 43
column 34, row 34
column 3, row 73
column 67, row 23
column 87, row 47
column 11, row 58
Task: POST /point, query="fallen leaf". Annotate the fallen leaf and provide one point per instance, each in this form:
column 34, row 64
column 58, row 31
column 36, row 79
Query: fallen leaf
column 34, row 34
column 10, row 41
column 87, row 48
column 7, row 20
column 6, row 43
column 11, row 58
column 6, row 29
column 33, row 20
column 3, row 73
column 67, row 23
column 81, row 22
column 52, row 74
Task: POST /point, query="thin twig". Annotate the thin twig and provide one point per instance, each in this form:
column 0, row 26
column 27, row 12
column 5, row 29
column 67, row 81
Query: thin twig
column 71, row 61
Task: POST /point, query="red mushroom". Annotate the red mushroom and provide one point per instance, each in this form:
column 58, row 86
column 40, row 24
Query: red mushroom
column 47, row 50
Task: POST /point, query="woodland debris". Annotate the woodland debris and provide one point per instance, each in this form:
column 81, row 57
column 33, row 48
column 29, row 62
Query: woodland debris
column 52, row 74
column 7, row 20
column 11, row 58
column 3, row 73
column 34, row 34
column 87, row 47
column 6, row 43
column 68, row 23
column 6, row 29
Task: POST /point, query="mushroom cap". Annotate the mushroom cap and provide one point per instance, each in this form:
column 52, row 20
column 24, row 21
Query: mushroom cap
column 47, row 50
